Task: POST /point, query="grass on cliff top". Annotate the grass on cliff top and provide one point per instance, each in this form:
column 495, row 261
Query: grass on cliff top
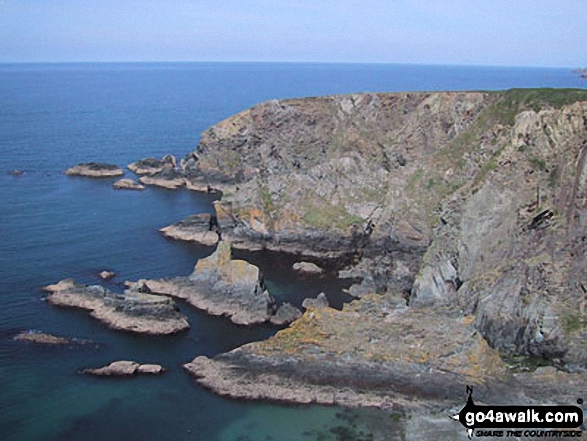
column 514, row 101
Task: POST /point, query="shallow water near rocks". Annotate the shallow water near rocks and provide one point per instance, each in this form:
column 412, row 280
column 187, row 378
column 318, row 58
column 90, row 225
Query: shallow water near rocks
column 54, row 227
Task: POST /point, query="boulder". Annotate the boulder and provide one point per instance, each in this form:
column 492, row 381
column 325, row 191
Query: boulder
column 319, row 302
column 285, row 314
column 307, row 267
column 106, row 275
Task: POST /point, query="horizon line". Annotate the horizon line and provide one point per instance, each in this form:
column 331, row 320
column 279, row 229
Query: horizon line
column 371, row 63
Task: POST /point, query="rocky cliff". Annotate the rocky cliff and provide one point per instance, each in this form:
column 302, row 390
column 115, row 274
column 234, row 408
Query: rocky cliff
column 472, row 203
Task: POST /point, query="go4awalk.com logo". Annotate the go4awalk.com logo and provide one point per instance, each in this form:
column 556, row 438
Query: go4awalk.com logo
column 520, row 421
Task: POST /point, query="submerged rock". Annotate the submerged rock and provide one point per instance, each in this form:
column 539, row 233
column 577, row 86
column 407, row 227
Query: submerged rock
column 307, row 267
column 199, row 228
column 41, row 338
column 16, row 172
column 220, row 285
column 132, row 311
column 125, row 369
column 95, row 170
column 127, row 184
column 150, row 166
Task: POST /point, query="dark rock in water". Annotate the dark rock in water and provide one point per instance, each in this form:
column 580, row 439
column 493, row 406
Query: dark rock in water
column 319, row 302
column 95, row 170
column 127, row 184
column 220, row 285
column 132, row 311
column 167, row 177
column 307, row 267
column 285, row 314
column 42, row 338
column 125, row 369
column 199, row 228
column 16, row 172
column 150, row 166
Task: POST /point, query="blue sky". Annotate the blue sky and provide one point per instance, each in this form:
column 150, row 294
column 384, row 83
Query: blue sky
column 476, row 32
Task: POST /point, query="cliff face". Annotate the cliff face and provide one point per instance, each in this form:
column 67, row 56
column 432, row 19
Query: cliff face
column 471, row 201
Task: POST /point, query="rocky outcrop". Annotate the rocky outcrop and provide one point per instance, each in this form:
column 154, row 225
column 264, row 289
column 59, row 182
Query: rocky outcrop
column 151, row 166
column 464, row 210
column 127, row 184
column 199, row 228
column 95, row 170
column 370, row 354
column 220, row 285
column 125, row 369
column 167, row 178
column 132, row 311
column 307, row 267
column 285, row 314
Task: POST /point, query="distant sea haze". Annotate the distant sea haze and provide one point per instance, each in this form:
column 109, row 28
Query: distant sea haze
column 53, row 116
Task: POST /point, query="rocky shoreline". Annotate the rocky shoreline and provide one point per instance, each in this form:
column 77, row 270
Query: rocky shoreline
column 461, row 215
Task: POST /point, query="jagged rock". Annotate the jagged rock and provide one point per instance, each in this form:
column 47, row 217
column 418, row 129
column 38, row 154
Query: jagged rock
column 167, row 177
column 132, row 311
column 199, row 228
column 285, row 314
column 319, row 302
column 125, row 369
column 127, row 184
column 106, row 275
column 95, row 170
column 150, row 166
column 41, row 338
column 307, row 267
column 220, row 285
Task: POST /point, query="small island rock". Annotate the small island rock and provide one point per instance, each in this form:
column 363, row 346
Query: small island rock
column 106, row 275
column 125, row 368
column 95, row 170
column 41, row 338
column 127, row 184
column 150, row 166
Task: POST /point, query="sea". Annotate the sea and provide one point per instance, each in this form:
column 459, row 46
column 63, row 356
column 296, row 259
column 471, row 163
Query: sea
column 53, row 116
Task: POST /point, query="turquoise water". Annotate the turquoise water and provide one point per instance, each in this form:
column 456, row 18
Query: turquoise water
column 52, row 227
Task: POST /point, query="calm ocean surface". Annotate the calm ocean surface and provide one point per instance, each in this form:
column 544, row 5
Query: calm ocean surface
column 53, row 116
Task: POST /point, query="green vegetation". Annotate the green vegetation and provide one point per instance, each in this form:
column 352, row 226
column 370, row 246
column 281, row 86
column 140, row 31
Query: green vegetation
column 514, row 101
column 320, row 213
column 573, row 322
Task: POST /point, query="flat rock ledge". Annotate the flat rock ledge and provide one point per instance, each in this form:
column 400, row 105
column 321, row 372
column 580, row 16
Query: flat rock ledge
column 95, row 170
column 125, row 369
column 414, row 359
column 199, row 228
column 132, row 311
column 127, row 184
column 150, row 166
column 225, row 287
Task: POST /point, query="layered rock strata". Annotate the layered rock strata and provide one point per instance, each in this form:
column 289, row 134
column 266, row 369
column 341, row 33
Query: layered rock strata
column 132, row 311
